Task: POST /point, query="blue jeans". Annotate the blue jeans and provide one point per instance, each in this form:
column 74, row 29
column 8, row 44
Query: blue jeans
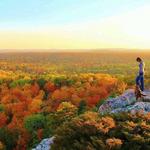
column 140, row 81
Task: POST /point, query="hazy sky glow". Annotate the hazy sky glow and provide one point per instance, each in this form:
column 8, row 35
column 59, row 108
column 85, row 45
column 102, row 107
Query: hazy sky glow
column 74, row 24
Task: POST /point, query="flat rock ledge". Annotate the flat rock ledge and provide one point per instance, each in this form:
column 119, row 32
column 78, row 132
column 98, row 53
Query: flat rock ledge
column 126, row 103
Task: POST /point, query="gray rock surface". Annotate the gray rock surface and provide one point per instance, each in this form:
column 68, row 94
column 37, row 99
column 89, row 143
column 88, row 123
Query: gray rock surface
column 126, row 103
column 45, row 144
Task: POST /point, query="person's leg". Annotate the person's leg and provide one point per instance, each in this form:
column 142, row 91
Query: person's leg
column 142, row 82
column 138, row 80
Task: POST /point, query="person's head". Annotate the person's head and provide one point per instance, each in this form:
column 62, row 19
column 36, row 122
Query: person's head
column 138, row 59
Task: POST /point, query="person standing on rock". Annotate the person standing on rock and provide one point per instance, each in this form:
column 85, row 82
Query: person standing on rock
column 140, row 77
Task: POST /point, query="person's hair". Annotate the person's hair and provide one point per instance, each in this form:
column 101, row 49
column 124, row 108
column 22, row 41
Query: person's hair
column 138, row 59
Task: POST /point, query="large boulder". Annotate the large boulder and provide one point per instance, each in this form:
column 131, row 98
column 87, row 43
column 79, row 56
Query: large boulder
column 125, row 103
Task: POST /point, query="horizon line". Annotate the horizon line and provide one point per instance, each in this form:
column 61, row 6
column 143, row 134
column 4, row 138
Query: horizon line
column 69, row 49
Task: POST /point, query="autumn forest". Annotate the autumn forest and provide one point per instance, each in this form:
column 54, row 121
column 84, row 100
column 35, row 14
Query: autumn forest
column 46, row 94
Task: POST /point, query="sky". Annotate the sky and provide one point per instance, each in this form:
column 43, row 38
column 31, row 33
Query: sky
column 74, row 24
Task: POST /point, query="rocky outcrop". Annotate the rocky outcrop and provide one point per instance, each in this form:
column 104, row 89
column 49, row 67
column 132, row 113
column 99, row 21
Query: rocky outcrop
column 45, row 144
column 125, row 103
